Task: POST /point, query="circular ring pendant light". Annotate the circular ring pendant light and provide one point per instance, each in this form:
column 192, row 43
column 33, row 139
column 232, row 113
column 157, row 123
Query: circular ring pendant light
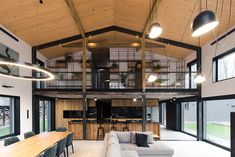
column 27, row 66
column 204, row 22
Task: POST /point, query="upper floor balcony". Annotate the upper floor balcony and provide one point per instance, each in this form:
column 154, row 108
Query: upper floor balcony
column 120, row 75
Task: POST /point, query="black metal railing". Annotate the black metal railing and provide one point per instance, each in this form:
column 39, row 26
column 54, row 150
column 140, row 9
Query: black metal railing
column 119, row 80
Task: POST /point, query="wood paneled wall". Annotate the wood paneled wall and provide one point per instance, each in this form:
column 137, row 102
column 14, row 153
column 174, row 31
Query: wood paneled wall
column 66, row 104
column 92, row 128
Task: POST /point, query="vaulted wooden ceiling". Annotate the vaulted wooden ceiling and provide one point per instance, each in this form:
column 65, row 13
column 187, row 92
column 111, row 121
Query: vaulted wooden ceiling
column 41, row 23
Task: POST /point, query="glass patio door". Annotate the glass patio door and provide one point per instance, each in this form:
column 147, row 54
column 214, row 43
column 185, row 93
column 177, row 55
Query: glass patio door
column 44, row 115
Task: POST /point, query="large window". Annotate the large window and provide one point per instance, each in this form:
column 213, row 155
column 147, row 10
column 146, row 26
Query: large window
column 9, row 116
column 224, row 66
column 217, row 121
column 189, row 117
column 44, row 115
column 189, row 77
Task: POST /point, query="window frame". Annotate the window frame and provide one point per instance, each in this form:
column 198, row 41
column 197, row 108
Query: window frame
column 16, row 116
column 189, row 66
column 182, row 117
column 213, row 98
column 215, row 70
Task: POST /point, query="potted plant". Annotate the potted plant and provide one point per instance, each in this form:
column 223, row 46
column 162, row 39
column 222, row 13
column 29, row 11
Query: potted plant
column 157, row 68
column 158, row 82
column 75, row 75
column 61, row 76
column 115, row 65
column 123, row 77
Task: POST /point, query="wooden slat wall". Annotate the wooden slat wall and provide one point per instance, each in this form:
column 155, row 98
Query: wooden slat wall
column 92, row 128
column 66, row 104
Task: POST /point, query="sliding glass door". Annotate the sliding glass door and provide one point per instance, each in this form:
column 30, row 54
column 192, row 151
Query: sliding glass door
column 163, row 113
column 44, row 115
column 217, row 121
column 189, row 117
column 6, row 116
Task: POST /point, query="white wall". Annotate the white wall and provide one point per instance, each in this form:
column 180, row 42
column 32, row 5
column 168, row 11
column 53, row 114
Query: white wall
column 225, row 87
column 22, row 88
column 210, row 88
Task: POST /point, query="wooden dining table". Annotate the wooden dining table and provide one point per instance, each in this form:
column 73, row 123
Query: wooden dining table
column 33, row 146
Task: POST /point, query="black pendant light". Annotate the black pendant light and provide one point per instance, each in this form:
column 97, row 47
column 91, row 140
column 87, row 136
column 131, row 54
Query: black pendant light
column 204, row 22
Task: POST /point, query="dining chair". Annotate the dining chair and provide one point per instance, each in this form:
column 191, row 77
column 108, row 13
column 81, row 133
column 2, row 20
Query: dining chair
column 61, row 147
column 11, row 140
column 61, row 129
column 50, row 152
column 29, row 134
column 69, row 142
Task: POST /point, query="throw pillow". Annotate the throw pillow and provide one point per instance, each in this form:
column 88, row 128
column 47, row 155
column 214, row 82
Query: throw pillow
column 141, row 140
column 149, row 133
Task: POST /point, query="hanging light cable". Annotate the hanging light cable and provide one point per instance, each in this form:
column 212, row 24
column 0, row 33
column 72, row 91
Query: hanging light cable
column 200, row 78
column 204, row 22
column 155, row 28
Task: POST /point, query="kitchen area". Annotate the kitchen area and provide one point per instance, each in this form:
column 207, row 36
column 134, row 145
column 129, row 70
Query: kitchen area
column 115, row 114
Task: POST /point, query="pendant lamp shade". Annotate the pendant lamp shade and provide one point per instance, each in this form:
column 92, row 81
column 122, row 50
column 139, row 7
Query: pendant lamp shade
column 204, row 22
column 152, row 78
column 199, row 78
column 154, row 30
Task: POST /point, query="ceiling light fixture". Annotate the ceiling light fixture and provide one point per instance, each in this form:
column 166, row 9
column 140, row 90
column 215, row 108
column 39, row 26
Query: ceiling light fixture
column 152, row 78
column 134, row 99
column 199, row 78
column 95, row 99
column 155, row 30
column 8, row 62
column 204, row 22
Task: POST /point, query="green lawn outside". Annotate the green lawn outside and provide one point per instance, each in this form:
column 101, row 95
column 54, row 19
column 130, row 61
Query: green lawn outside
column 41, row 125
column 213, row 129
column 4, row 131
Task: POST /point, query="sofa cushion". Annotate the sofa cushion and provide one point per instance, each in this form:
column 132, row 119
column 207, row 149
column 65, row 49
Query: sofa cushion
column 113, row 140
column 155, row 148
column 141, row 140
column 105, row 146
column 113, row 135
column 150, row 136
column 113, row 151
column 124, row 137
column 129, row 153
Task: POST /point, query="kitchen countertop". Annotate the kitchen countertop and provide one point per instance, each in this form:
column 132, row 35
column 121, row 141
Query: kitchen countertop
column 108, row 121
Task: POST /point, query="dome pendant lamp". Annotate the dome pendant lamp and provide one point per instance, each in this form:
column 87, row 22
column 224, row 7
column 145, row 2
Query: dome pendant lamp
column 199, row 78
column 155, row 30
column 204, row 22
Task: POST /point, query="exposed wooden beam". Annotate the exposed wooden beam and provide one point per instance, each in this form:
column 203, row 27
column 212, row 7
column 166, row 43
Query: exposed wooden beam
column 75, row 17
column 143, row 62
column 151, row 14
column 84, row 65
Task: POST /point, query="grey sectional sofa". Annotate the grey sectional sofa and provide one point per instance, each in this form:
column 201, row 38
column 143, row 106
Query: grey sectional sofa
column 122, row 144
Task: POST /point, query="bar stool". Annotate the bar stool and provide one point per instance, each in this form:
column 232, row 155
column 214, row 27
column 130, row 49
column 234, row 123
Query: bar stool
column 113, row 128
column 126, row 128
column 100, row 131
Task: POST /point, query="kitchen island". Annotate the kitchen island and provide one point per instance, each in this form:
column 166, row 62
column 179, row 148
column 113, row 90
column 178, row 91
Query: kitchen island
column 76, row 126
